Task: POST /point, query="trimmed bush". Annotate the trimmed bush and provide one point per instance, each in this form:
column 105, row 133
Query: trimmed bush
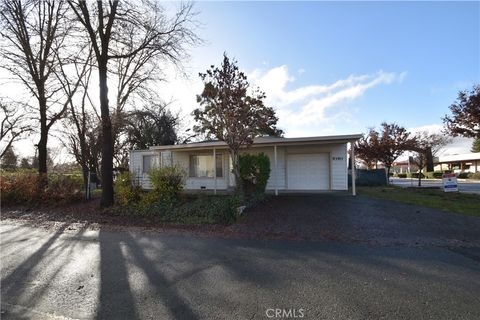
column 414, row 175
column 401, row 175
column 434, row 174
column 463, row 175
column 167, row 182
column 125, row 191
column 254, row 172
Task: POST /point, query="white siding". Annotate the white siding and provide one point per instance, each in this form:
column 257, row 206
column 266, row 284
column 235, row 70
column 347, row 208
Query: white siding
column 339, row 170
column 136, row 166
column 337, row 154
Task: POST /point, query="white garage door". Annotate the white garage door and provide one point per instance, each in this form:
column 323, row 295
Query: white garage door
column 308, row 171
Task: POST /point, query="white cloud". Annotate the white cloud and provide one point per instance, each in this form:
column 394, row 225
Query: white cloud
column 307, row 105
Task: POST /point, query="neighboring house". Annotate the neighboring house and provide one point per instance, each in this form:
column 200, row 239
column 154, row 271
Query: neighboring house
column 467, row 162
column 405, row 166
column 297, row 164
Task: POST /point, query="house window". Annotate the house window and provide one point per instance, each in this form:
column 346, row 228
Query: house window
column 147, row 164
column 201, row 166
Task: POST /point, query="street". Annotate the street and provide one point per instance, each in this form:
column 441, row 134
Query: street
column 71, row 272
column 463, row 185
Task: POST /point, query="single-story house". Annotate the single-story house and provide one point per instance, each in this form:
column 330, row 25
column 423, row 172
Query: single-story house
column 466, row 162
column 297, row 164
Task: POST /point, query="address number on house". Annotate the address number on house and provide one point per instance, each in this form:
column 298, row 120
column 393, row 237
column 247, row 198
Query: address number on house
column 337, row 158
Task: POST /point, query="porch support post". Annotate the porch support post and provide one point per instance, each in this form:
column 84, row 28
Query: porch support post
column 214, row 171
column 276, row 171
column 352, row 159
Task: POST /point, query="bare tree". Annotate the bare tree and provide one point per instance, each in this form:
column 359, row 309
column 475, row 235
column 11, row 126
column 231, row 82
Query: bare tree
column 81, row 130
column 34, row 31
column 426, row 146
column 232, row 112
column 107, row 25
column 13, row 126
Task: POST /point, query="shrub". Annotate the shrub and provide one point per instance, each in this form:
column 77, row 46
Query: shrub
column 63, row 188
column 22, row 187
column 193, row 210
column 434, row 175
column 463, row 175
column 401, row 175
column 167, row 182
column 126, row 192
column 475, row 175
column 414, row 175
column 208, row 209
column 254, row 172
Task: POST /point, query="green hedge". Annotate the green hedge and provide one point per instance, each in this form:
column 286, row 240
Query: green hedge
column 401, row 175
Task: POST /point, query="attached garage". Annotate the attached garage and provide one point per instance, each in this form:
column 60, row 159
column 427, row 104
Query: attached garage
column 308, row 171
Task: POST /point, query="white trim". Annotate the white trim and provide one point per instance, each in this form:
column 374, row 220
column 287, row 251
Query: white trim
column 215, row 171
column 352, row 148
column 276, row 169
column 265, row 141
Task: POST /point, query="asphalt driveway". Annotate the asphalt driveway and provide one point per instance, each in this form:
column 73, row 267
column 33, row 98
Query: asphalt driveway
column 75, row 273
column 339, row 216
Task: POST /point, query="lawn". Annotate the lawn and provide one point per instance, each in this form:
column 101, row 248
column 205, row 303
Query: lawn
column 467, row 204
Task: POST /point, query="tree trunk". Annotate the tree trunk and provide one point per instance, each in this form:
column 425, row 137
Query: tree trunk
column 85, row 176
column 388, row 175
column 236, row 172
column 42, row 143
column 107, row 142
column 420, row 177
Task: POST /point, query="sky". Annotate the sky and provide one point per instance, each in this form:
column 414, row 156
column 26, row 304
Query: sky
column 341, row 67
column 331, row 68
